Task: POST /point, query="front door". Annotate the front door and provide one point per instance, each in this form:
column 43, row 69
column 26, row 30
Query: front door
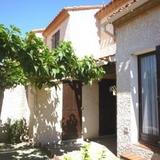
column 72, row 99
column 107, row 107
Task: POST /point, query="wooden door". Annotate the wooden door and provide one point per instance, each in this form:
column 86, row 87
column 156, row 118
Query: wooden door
column 107, row 108
column 72, row 115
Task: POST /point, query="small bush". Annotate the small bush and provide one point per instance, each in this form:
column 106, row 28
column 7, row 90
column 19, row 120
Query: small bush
column 17, row 131
column 85, row 152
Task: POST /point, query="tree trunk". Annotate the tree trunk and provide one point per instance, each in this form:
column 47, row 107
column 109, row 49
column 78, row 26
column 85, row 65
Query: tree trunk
column 1, row 100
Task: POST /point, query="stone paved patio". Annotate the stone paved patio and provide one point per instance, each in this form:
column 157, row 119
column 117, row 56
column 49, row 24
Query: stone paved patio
column 109, row 141
column 21, row 151
column 24, row 151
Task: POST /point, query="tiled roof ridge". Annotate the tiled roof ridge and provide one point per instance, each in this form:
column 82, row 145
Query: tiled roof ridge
column 38, row 30
column 114, row 7
column 83, row 7
column 125, row 6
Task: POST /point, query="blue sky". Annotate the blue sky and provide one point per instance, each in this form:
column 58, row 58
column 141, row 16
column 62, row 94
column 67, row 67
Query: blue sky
column 30, row 14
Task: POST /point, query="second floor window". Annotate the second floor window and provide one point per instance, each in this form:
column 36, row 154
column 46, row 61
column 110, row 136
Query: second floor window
column 55, row 39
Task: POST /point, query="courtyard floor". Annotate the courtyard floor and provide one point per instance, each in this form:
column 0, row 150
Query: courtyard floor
column 23, row 151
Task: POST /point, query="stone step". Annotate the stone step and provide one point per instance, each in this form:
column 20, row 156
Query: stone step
column 131, row 156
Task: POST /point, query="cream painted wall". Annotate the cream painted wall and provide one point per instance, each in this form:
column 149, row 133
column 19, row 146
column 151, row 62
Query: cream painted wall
column 84, row 32
column 64, row 33
column 107, row 38
column 80, row 28
column 135, row 36
column 15, row 104
column 46, row 105
column 90, row 110
column 46, row 116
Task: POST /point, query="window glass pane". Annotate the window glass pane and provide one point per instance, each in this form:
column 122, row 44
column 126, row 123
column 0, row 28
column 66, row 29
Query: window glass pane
column 150, row 123
column 57, row 36
column 53, row 41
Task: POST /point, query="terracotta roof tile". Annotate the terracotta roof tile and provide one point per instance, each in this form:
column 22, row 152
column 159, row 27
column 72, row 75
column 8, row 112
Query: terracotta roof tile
column 114, row 7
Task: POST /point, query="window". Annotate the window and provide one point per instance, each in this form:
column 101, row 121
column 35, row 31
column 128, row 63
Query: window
column 55, row 39
column 149, row 92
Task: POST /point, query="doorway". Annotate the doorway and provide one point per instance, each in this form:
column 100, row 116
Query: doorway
column 107, row 107
column 72, row 114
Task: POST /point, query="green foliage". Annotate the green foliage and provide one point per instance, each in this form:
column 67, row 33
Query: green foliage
column 11, row 43
column 29, row 60
column 87, row 70
column 17, row 131
column 70, row 67
column 65, row 60
column 11, row 73
column 67, row 157
column 85, row 152
column 38, row 62
column 102, row 155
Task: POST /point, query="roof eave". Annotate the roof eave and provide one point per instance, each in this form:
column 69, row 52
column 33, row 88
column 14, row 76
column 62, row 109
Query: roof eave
column 109, row 8
column 134, row 9
column 126, row 11
column 56, row 22
column 39, row 30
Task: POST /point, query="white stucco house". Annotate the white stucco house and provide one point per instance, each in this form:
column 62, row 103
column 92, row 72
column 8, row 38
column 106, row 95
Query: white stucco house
column 136, row 26
column 125, row 35
column 58, row 114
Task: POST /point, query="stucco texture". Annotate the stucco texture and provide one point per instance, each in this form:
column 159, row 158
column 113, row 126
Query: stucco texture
column 90, row 111
column 134, row 36
column 79, row 28
column 15, row 104
column 46, row 116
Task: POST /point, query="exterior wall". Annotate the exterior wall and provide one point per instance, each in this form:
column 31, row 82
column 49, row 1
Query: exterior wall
column 80, row 28
column 64, row 33
column 107, row 38
column 84, row 32
column 133, row 37
column 45, row 120
column 15, row 104
column 90, row 111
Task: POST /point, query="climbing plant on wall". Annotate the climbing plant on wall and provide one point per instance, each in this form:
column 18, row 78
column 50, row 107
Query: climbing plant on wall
column 25, row 60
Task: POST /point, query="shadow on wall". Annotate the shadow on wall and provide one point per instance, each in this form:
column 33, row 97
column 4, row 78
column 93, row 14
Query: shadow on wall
column 45, row 120
column 156, row 156
column 70, row 127
column 41, row 109
column 13, row 106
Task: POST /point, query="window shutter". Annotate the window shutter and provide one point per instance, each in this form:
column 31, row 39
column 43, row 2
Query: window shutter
column 57, row 37
column 53, row 41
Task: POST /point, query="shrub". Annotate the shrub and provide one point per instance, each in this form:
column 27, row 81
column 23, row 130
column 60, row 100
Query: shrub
column 17, row 131
column 85, row 152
